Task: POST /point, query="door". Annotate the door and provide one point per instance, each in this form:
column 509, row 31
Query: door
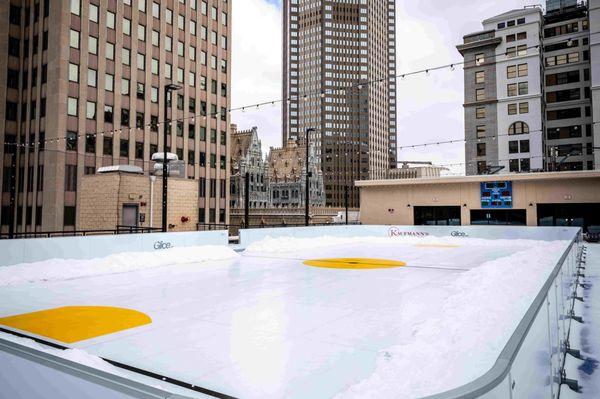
column 130, row 215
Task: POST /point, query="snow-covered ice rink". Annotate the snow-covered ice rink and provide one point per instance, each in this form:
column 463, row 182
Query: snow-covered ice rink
column 263, row 324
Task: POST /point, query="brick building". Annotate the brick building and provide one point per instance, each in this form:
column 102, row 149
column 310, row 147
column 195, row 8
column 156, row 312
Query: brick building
column 82, row 86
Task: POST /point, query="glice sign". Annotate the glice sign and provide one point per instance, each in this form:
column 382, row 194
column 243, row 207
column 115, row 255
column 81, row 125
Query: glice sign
column 496, row 194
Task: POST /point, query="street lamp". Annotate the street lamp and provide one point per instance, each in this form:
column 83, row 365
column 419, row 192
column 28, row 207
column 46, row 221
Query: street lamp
column 168, row 88
column 307, row 188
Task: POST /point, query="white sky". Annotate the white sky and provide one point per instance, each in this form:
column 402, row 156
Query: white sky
column 429, row 108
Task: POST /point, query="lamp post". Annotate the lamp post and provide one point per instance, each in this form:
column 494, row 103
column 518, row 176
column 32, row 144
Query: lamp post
column 168, row 88
column 307, row 188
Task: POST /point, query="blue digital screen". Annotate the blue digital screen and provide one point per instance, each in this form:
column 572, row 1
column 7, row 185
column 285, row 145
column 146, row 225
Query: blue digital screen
column 496, row 194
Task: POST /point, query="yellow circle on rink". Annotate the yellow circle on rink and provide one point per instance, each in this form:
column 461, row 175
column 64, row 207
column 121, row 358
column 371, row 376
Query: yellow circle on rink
column 354, row 263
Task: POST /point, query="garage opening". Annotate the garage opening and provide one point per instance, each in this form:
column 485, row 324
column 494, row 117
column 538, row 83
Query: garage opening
column 437, row 215
column 578, row 215
column 499, row 217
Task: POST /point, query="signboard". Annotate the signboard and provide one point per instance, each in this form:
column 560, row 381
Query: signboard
column 496, row 195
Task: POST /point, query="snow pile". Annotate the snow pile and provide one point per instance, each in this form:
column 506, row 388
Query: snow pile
column 270, row 245
column 64, row 269
column 465, row 341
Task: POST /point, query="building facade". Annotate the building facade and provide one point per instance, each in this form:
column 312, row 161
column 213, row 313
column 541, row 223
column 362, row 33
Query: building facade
column 82, row 86
column 528, row 92
column 287, row 167
column 247, row 158
column 331, row 50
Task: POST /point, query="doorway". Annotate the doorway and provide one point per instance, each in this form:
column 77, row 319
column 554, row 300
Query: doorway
column 130, row 215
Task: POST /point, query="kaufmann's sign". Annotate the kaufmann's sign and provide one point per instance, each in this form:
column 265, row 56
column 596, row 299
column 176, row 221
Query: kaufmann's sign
column 162, row 245
column 397, row 232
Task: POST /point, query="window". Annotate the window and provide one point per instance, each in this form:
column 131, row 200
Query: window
column 155, row 38
column 564, row 114
column 511, row 71
column 522, row 70
column 108, row 114
column 480, row 131
column 69, row 216
column 523, row 88
column 513, row 147
column 94, row 13
column 479, row 59
column 139, row 150
column 511, row 90
column 511, row 52
column 110, row 51
column 142, row 33
column 562, row 78
column 109, row 82
column 522, row 50
column 510, row 38
column 480, row 149
column 524, row 145
column 126, row 56
column 92, row 78
column 154, row 94
column 480, row 94
column 524, row 108
column 480, row 113
column 142, row 5
column 156, row 10
column 525, row 165
column 513, row 165
column 563, row 95
column 124, row 86
column 72, row 106
column 480, row 77
column 90, row 110
column 124, row 117
column 141, row 91
column 521, row 35
column 108, row 146
column 76, row 7
column 124, row 148
column 71, row 141
column 518, row 128
column 512, row 109
column 141, row 62
column 93, row 45
column 73, row 73
column 73, row 39
column 90, row 143
column 110, row 19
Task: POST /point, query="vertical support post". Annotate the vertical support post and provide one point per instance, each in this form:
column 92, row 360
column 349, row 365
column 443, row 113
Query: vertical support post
column 13, row 189
column 307, row 183
column 164, row 174
column 346, row 201
column 247, row 200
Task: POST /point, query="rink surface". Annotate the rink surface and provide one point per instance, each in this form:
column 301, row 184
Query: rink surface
column 266, row 324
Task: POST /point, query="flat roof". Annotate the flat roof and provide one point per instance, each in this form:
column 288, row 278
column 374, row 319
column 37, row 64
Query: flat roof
column 583, row 174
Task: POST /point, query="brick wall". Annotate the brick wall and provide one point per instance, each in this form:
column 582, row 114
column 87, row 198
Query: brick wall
column 102, row 197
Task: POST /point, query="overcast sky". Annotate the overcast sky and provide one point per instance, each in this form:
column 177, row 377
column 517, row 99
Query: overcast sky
column 429, row 108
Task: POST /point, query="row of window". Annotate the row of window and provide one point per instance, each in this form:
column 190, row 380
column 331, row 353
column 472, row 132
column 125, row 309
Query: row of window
column 514, row 128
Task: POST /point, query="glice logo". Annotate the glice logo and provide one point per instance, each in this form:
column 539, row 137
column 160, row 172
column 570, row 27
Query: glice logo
column 162, row 245
column 458, row 234
column 396, row 232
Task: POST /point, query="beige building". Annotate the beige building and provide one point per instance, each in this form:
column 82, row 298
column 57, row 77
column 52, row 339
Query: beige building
column 330, row 51
column 82, row 86
column 544, row 199
column 108, row 200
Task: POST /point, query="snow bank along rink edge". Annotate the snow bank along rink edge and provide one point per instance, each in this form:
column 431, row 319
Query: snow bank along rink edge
column 477, row 320
column 65, row 269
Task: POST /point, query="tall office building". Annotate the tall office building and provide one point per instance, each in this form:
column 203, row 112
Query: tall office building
column 82, row 86
column 331, row 49
column 528, row 92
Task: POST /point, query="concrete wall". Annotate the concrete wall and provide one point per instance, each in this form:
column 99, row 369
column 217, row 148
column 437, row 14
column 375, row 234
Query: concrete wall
column 39, row 249
column 389, row 204
column 101, row 200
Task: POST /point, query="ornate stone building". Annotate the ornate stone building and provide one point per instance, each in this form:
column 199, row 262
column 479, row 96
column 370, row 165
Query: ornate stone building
column 288, row 175
column 246, row 156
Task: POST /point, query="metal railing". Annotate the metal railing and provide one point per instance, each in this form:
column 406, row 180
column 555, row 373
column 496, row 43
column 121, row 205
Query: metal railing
column 80, row 233
column 543, row 333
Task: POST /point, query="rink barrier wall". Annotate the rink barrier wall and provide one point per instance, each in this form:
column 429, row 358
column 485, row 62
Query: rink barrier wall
column 248, row 236
column 29, row 250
